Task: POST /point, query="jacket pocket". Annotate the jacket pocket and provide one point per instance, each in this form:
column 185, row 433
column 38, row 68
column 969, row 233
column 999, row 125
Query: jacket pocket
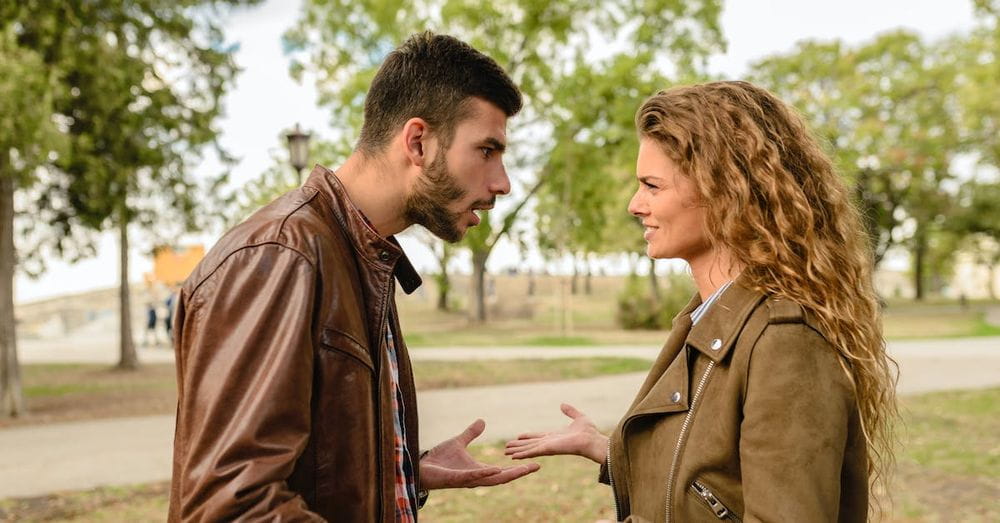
column 709, row 500
column 339, row 342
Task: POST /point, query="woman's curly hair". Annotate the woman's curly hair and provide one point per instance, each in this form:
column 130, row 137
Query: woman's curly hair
column 775, row 201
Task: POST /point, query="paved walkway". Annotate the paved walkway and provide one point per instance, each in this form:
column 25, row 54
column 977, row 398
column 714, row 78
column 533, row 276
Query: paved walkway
column 70, row 456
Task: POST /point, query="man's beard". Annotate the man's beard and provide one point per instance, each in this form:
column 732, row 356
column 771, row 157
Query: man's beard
column 428, row 205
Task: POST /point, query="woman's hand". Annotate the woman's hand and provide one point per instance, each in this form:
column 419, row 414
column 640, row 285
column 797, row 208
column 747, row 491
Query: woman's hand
column 579, row 438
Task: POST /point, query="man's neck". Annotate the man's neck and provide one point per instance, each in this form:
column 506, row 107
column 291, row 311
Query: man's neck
column 378, row 193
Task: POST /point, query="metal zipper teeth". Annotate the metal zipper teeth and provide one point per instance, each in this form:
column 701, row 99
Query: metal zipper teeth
column 611, row 479
column 383, row 324
column 709, row 497
column 680, row 438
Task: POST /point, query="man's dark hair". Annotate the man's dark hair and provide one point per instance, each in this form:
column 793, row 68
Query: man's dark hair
column 432, row 77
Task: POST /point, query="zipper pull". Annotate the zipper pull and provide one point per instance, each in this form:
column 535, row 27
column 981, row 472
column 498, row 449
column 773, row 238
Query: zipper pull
column 717, row 507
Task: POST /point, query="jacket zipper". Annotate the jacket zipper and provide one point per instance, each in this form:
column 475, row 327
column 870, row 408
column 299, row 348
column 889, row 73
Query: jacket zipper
column 383, row 324
column 680, row 438
column 611, row 480
column 721, row 511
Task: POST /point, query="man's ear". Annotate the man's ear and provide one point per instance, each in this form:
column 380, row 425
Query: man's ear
column 416, row 141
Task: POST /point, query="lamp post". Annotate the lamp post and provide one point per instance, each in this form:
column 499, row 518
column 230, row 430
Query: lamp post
column 298, row 150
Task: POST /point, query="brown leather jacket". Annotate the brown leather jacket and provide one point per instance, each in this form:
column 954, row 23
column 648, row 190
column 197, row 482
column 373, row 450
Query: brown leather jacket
column 284, row 407
column 747, row 416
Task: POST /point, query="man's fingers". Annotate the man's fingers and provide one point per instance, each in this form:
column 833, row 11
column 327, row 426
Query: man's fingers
column 507, row 475
column 472, row 432
column 464, row 477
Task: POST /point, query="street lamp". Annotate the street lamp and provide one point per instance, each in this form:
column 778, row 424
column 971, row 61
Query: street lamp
column 298, row 149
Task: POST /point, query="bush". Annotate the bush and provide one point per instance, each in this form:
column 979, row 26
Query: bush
column 638, row 309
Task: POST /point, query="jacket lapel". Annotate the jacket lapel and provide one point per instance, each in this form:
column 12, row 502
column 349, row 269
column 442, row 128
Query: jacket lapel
column 669, row 372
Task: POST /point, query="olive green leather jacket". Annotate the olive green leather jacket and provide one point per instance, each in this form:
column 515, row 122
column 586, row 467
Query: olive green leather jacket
column 747, row 416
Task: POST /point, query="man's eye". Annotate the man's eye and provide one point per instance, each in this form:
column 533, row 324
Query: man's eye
column 487, row 151
column 649, row 185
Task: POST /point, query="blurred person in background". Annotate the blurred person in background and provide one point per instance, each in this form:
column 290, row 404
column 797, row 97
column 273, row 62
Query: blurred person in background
column 149, row 336
column 773, row 398
column 296, row 399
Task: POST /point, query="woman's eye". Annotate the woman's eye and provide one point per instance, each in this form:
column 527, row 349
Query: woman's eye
column 649, row 185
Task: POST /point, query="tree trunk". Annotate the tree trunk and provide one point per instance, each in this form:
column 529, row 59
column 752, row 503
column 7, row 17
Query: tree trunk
column 128, row 358
column 11, row 398
column 443, row 280
column 573, row 285
column 991, row 279
column 654, row 284
column 443, row 288
column 479, row 258
column 588, row 287
column 919, row 260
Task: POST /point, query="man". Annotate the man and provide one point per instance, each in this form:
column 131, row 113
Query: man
column 295, row 391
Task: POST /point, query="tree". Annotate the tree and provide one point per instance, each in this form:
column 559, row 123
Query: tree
column 883, row 109
column 978, row 223
column 277, row 179
column 540, row 44
column 583, row 207
column 28, row 138
column 136, row 90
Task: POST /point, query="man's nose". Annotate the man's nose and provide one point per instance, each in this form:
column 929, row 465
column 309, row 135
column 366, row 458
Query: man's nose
column 501, row 183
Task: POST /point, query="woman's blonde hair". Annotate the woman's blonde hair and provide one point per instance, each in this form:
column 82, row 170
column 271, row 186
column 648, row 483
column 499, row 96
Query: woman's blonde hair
column 775, row 201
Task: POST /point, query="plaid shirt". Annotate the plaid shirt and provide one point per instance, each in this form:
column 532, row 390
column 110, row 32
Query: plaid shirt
column 406, row 489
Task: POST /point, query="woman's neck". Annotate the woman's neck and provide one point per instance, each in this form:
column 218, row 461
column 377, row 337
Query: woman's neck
column 713, row 270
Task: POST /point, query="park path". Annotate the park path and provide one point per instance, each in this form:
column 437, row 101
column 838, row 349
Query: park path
column 42, row 459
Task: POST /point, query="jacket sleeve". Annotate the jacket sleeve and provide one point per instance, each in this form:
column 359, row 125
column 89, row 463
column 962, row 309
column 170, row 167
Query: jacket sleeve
column 795, row 426
column 245, row 367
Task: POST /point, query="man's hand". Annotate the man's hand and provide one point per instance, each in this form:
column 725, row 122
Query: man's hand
column 580, row 438
column 449, row 465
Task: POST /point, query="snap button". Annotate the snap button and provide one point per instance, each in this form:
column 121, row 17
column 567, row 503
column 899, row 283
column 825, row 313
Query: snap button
column 675, row 397
column 383, row 255
column 716, row 344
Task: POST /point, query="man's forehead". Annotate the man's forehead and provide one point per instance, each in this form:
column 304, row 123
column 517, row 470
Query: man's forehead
column 484, row 121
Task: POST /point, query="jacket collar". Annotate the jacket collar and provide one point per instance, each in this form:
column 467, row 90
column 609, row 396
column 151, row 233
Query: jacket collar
column 716, row 332
column 381, row 252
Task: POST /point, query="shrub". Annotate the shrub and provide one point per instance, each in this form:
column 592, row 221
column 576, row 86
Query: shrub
column 638, row 309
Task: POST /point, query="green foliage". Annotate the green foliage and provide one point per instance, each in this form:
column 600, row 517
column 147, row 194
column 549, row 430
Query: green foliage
column 28, row 135
column 136, row 89
column 885, row 110
column 553, row 51
column 277, row 179
column 638, row 308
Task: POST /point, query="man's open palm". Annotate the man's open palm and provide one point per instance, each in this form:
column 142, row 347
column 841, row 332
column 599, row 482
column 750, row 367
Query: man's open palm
column 449, row 465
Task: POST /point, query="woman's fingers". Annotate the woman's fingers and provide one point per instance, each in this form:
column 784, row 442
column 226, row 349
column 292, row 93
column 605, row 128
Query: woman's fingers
column 571, row 411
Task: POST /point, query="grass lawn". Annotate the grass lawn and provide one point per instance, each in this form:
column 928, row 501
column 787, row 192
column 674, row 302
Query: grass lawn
column 67, row 392
column 948, row 470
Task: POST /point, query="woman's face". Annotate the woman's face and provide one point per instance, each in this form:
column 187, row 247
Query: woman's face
column 668, row 206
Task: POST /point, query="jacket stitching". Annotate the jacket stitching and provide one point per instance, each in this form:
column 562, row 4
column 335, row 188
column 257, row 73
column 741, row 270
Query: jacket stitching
column 215, row 269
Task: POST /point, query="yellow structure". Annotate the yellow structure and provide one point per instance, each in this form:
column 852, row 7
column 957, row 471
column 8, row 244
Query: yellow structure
column 172, row 266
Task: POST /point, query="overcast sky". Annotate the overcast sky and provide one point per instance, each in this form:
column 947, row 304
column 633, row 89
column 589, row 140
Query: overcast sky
column 266, row 101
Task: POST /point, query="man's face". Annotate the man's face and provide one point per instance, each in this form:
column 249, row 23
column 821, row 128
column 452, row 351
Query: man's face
column 464, row 178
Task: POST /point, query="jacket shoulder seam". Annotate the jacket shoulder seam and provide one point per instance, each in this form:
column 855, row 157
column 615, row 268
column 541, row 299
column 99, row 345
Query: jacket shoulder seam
column 194, row 292
column 303, row 203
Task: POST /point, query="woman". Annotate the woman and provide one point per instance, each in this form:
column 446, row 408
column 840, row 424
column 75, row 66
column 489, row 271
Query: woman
column 772, row 398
